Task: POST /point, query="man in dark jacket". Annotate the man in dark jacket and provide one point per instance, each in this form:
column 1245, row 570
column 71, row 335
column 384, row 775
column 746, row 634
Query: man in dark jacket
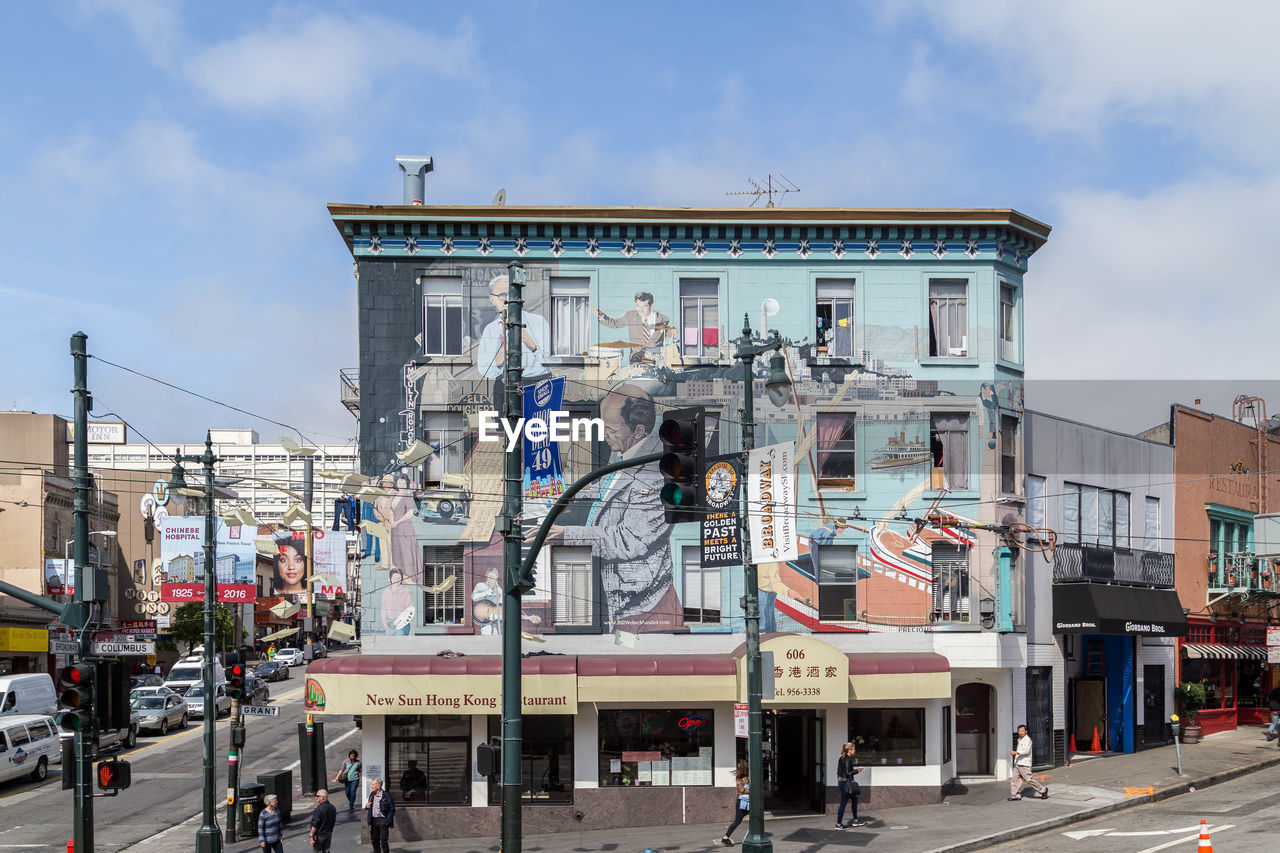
column 322, row 821
column 1273, row 701
column 382, row 816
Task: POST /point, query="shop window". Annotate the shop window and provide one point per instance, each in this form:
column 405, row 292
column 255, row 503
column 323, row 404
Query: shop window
column 950, row 582
column 1216, row 676
column 447, row 607
column 428, row 760
column 888, row 736
column 946, row 733
column 1008, row 454
column 443, row 431
column 837, row 569
column 701, row 588
column 442, row 304
column 1008, row 323
column 700, row 317
column 837, row 457
column 546, row 760
column 1252, row 677
column 1199, row 634
column 834, row 325
column 948, row 318
column 571, row 587
column 949, row 447
column 656, row 747
column 570, row 316
column 1093, row 516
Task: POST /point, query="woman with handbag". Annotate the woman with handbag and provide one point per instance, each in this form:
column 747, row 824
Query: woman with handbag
column 846, row 768
column 743, row 802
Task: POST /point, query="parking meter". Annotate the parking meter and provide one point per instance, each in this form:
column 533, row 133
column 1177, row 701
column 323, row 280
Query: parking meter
column 1177, row 742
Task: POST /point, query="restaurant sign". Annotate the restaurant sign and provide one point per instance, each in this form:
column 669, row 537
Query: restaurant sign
column 436, row 694
column 805, row 670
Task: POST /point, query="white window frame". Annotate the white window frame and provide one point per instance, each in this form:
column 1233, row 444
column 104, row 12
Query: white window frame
column 700, row 585
column 952, row 582
column 572, row 590
column 1151, row 523
column 570, row 305
column 1095, row 516
column 1007, row 322
column 1008, row 449
column 837, row 482
column 442, row 294
column 446, row 608
column 700, row 302
column 448, row 430
column 829, row 555
column 966, row 444
column 838, row 296
column 952, row 312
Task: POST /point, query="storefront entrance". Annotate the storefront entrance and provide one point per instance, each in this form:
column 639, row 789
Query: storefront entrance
column 794, row 761
column 974, row 729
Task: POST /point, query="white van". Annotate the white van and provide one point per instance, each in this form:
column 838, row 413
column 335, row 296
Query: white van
column 28, row 745
column 28, row 694
column 189, row 671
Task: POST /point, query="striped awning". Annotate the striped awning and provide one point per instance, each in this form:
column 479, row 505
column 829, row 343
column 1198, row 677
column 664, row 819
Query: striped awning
column 1224, row 651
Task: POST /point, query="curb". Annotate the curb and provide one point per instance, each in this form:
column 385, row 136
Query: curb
column 1088, row 814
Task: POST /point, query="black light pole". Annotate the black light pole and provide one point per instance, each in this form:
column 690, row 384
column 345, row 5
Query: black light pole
column 82, row 814
column 778, row 386
column 512, row 719
column 208, row 838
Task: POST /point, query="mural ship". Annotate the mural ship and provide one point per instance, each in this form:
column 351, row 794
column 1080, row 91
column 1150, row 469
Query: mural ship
column 900, row 453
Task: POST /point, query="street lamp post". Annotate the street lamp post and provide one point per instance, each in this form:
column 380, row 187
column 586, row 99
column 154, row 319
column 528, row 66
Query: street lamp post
column 208, row 838
column 778, row 386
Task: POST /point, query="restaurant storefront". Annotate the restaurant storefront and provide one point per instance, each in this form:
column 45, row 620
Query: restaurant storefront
column 1230, row 659
column 639, row 740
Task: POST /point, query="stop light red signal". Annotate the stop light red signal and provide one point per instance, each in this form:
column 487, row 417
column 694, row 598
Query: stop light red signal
column 235, row 681
column 114, row 775
column 76, row 682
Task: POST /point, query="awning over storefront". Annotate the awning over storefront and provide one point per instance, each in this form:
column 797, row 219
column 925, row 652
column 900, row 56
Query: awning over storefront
column 657, row 678
column 1092, row 608
column 899, row 676
column 429, row 684
column 32, row 640
column 278, row 635
column 1223, row 651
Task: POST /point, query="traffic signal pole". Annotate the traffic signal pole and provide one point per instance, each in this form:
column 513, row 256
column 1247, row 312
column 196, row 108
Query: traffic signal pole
column 82, row 815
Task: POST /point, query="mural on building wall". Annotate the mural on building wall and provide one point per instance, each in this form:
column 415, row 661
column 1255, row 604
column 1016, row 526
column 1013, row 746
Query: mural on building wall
column 894, row 480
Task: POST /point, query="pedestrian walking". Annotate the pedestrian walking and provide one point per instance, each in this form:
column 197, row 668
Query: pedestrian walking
column 322, row 822
column 1022, row 768
column 846, row 769
column 382, row 816
column 270, row 827
column 349, row 777
column 1273, row 702
column 742, row 804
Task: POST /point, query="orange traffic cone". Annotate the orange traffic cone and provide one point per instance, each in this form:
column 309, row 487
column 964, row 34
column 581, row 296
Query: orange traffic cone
column 1205, row 843
column 1073, row 742
column 1096, row 746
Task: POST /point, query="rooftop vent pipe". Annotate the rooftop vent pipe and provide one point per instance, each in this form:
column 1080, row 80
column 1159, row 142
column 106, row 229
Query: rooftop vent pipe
column 415, row 171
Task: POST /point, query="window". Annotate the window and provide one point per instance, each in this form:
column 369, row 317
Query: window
column 1035, row 503
column 950, row 582
column 18, row 736
column 948, row 318
column 888, row 736
column 701, row 589
column 570, row 316
column 946, row 733
column 1008, row 338
column 546, row 761
column 448, row 607
column 443, row 431
column 837, row 462
column 1009, row 454
column 571, row 587
column 576, row 456
column 699, row 317
column 949, row 446
column 834, row 333
column 1093, row 516
column 837, row 570
column 655, row 747
column 428, row 760
column 442, row 302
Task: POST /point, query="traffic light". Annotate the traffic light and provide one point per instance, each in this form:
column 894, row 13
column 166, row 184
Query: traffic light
column 77, row 695
column 114, row 775
column 489, row 760
column 235, row 681
column 682, row 465
column 113, row 688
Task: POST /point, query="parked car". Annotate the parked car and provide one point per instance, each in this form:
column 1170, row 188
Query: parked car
column 128, row 738
column 160, row 711
column 190, row 671
column 256, row 691
column 28, row 745
column 195, row 700
column 152, row 691
column 148, row 680
column 319, row 650
column 291, row 656
column 272, row 670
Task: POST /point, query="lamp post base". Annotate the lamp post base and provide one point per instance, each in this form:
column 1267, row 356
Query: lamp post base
column 757, row 844
column 208, row 840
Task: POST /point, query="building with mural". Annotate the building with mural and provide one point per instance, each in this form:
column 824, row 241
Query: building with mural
column 898, row 626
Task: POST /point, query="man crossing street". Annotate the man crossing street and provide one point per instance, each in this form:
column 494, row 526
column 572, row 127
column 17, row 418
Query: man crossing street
column 1022, row 768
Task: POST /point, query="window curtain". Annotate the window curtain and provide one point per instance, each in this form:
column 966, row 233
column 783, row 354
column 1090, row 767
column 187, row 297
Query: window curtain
column 1071, row 513
column 935, row 344
column 953, row 430
column 830, row 428
column 1151, row 526
column 1035, row 501
column 1122, row 520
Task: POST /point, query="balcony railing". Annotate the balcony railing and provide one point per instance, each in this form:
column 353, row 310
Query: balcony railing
column 350, row 379
column 1242, row 571
column 1077, row 563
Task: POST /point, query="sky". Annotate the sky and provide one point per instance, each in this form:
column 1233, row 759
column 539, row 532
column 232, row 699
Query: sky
column 165, row 167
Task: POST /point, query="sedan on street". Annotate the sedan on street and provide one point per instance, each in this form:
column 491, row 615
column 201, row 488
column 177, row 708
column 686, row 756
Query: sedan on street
column 148, row 680
column 272, row 670
column 291, row 656
column 161, row 712
column 256, row 691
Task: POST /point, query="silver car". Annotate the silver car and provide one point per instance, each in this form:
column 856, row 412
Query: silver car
column 221, row 701
column 160, row 712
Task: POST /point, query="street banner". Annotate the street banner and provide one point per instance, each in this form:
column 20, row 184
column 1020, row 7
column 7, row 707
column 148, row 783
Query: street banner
column 59, row 577
column 771, row 503
column 721, row 544
column 740, row 728
column 182, row 560
column 543, row 475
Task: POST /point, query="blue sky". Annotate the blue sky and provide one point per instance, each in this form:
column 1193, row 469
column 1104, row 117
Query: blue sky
column 165, row 169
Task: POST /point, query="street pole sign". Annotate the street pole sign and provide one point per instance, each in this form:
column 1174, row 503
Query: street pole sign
column 111, row 648
column 259, row 711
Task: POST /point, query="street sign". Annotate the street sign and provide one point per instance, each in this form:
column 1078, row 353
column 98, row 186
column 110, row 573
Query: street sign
column 63, row 647
column 259, row 711
column 123, row 647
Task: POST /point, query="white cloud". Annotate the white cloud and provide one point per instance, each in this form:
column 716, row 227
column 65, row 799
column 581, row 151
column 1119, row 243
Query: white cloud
column 155, row 23
column 323, row 64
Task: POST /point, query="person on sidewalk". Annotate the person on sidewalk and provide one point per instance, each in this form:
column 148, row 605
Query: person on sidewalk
column 742, row 804
column 270, row 827
column 846, row 768
column 1022, row 768
column 323, row 820
column 382, row 817
column 1273, row 702
column 349, row 777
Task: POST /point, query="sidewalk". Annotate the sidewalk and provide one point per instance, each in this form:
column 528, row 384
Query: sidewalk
column 970, row 818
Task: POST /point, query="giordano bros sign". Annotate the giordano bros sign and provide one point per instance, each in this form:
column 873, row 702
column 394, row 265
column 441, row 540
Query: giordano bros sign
column 436, row 694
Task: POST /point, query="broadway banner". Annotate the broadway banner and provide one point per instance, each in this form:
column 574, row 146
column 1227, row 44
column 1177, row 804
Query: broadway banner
column 721, row 489
column 771, row 503
column 543, row 476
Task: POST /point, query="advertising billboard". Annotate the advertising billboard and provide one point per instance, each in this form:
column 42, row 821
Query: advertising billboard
column 182, row 560
column 328, row 552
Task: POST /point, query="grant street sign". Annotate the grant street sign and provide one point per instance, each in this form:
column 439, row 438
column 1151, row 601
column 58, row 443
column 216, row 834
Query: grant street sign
column 259, row 711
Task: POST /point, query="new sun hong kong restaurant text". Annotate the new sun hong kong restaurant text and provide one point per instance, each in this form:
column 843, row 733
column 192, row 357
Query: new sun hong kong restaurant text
column 638, row 739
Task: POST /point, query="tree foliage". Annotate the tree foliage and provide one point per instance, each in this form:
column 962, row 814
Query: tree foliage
column 188, row 624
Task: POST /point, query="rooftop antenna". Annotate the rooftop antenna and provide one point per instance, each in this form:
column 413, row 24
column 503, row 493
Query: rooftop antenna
column 778, row 186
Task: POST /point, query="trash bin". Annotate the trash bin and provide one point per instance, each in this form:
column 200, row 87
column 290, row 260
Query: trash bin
column 251, row 798
column 280, row 784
